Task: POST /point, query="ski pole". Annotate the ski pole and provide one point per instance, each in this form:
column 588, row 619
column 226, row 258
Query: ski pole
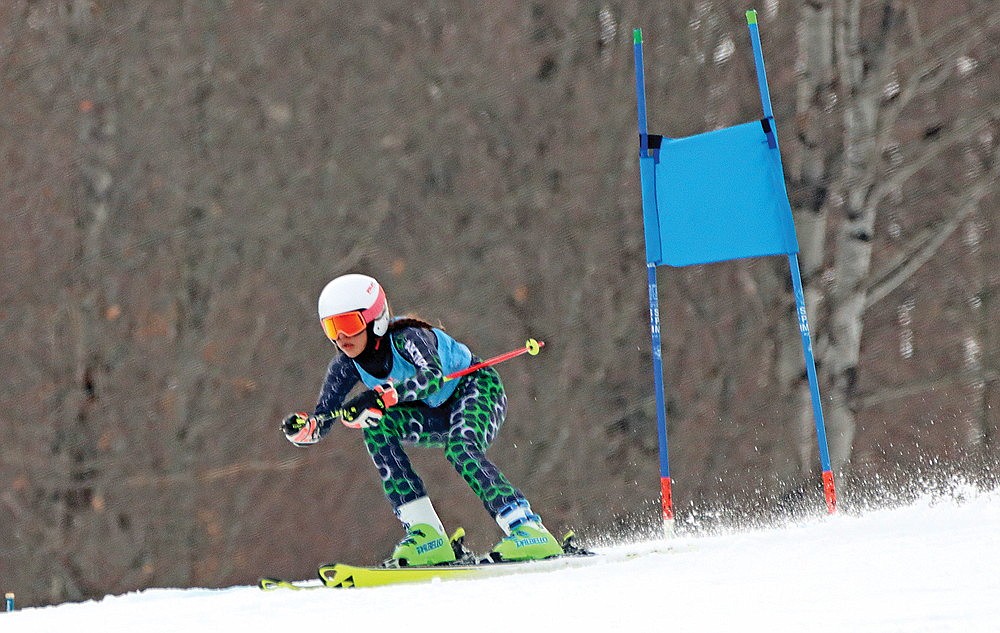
column 531, row 347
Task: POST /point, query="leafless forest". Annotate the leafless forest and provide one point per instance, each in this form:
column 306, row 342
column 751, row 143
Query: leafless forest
column 181, row 178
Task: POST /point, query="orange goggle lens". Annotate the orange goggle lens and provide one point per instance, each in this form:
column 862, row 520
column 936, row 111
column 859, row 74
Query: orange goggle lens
column 348, row 324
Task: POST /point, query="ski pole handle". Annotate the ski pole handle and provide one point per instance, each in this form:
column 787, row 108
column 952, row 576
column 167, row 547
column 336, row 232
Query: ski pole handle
column 531, row 347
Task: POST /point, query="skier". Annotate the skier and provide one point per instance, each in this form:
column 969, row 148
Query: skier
column 403, row 363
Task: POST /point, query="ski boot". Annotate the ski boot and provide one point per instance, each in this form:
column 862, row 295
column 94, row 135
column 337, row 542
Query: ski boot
column 423, row 546
column 527, row 538
column 426, row 542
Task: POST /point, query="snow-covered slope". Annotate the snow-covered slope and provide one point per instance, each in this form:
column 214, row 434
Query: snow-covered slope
column 932, row 566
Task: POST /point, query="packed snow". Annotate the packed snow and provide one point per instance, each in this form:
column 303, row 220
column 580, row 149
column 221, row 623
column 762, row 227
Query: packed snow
column 933, row 565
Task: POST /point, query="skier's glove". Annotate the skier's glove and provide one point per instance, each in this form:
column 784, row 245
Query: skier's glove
column 366, row 409
column 300, row 429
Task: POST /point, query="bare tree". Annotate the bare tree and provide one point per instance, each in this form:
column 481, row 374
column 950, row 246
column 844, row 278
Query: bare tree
column 873, row 77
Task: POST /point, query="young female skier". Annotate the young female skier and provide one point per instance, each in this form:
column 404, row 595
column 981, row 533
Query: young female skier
column 403, row 363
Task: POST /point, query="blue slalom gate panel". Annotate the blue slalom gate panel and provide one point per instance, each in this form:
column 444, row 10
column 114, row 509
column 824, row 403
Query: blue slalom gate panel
column 716, row 196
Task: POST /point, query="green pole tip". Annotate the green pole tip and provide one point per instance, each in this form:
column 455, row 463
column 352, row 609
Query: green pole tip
column 637, row 36
column 752, row 16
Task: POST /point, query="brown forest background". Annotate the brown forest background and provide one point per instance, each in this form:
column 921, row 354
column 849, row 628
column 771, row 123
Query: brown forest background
column 180, row 179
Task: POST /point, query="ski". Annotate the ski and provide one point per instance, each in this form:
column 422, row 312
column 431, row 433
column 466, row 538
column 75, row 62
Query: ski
column 467, row 566
column 270, row 584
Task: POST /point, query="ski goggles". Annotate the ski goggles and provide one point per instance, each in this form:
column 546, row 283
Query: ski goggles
column 353, row 323
column 348, row 324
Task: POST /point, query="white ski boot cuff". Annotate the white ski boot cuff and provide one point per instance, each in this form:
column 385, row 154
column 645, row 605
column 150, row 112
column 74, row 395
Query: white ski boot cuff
column 418, row 511
column 514, row 514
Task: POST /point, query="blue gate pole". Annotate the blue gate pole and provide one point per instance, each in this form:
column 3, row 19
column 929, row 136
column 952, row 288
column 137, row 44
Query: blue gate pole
column 666, row 495
column 829, row 489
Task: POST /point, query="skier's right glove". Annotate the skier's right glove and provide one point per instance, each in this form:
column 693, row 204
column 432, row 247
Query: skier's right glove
column 365, row 410
column 300, row 428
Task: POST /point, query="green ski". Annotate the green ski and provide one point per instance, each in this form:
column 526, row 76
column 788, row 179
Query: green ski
column 468, row 566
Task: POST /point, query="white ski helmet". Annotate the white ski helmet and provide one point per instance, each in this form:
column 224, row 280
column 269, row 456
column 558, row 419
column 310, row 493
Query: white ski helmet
column 350, row 297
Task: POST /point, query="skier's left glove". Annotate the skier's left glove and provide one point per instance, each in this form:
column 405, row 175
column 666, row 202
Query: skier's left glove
column 366, row 409
column 300, row 428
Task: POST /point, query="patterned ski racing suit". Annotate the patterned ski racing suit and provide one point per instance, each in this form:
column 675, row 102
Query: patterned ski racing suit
column 462, row 416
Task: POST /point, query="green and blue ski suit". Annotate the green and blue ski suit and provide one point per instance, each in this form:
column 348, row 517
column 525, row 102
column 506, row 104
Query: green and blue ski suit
column 461, row 415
